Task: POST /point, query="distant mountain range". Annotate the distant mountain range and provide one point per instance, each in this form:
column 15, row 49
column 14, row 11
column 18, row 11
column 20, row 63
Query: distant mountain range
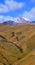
column 10, row 22
column 18, row 21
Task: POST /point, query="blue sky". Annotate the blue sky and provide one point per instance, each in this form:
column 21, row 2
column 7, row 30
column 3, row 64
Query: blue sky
column 10, row 9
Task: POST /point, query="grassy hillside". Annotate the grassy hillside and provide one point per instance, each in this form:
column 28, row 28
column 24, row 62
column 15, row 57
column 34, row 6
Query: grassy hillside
column 16, row 42
column 27, row 60
column 9, row 53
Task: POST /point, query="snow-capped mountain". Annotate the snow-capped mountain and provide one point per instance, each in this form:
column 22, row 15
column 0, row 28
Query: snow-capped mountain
column 19, row 20
column 10, row 22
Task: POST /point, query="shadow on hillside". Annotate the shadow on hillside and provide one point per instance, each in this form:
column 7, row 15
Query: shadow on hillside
column 2, row 38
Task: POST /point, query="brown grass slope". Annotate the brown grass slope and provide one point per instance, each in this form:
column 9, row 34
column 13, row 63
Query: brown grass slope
column 19, row 41
column 9, row 53
column 27, row 60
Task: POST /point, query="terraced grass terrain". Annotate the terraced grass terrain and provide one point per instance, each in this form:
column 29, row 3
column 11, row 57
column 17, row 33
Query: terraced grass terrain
column 17, row 44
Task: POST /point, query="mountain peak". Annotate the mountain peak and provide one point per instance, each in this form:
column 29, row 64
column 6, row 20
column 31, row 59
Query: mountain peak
column 19, row 20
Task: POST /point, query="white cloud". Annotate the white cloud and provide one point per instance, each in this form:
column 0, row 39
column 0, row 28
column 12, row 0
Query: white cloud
column 10, row 5
column 1, row 18
column 13, row 5
column 6, row 18
column 3, row 8
column 27, row 15
column 30, row 14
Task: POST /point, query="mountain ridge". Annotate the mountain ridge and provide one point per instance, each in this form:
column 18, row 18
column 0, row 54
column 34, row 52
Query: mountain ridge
column 19, row 20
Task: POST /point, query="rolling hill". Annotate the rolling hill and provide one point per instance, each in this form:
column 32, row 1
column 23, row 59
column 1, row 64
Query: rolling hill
column 17, row 44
